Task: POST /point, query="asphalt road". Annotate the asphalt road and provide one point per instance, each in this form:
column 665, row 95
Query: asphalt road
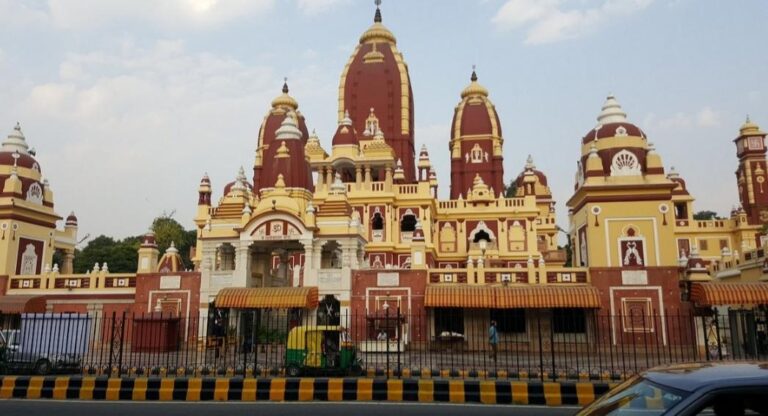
column 78, row 408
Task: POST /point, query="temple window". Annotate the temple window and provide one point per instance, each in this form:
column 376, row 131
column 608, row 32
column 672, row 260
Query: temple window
column 681, row 211
column 481, row 235
column 225, row 257
column 377, row 226
column 407, row 226
column 331, row 255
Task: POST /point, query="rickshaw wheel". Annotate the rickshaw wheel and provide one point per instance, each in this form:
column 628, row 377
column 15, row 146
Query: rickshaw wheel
column 292, row 371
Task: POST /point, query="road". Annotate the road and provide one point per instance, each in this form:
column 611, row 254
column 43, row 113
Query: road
column 78, row 408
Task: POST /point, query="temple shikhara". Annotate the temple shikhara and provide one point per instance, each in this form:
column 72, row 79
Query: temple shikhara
column 357, row 228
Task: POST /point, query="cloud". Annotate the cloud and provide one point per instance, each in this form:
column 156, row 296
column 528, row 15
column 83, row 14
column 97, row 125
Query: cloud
column 708, row 118
column 86, row 14
column 17, row 14
column 314, row 7
column 139, row 125
column 704, row 118
column 548, row 21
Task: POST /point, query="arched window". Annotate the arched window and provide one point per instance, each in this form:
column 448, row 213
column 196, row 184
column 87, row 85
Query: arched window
column 225, row 257
column 408, row 223
column 481, row 235
column 377, row 222
column 377, row 226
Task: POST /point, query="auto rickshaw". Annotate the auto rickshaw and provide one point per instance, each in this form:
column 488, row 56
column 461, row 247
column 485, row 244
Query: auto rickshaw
column 322, row 349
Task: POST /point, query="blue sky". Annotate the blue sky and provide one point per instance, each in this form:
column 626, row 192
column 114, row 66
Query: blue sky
column 128, row 103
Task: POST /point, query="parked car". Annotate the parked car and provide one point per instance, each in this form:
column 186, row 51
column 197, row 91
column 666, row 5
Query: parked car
column 14, row 359
column 689, row 389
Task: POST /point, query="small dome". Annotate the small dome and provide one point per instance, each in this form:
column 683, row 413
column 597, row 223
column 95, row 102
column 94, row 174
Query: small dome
column 71, row 219
column 475, row 114
column 345, row 133
column 205, row 180
column 612, row 122
column 14, row 150
column 529, row 166
column 149, row 239
column 750, row 129
column 474, row 88
column 611, row 112
column 16, row 142
column 289, row 128
column 285, row 100
column 240, row 181
column 377, row 32
column 171, row 261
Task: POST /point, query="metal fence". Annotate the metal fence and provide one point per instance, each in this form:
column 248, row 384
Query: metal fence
column 532, row 344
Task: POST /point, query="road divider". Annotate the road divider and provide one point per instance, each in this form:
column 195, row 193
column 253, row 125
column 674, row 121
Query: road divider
column 301, row 389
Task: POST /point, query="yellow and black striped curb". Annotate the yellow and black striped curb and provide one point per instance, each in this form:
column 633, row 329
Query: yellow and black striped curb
column 301, row 389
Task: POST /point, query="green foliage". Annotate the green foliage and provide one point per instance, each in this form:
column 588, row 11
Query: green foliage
column 169, row 230
column 706, row 215
column 511, row 190
column 568, row 252
column 120, row 255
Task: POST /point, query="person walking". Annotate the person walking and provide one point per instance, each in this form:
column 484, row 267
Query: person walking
column 493, row 339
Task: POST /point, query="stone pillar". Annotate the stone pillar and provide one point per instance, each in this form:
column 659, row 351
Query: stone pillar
column 481, row 269
column 358, row 177
column 470, row 271
column 368, row 175
column 67, row 266
column 388, row 179
column 328, row 178
column 241, row 276
column 309, row 270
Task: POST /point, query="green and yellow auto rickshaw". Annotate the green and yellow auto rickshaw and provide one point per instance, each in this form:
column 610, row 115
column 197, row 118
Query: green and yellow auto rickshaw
column 322, row 349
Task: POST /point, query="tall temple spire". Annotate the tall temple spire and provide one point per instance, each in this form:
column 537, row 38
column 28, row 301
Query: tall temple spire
column 377, row 16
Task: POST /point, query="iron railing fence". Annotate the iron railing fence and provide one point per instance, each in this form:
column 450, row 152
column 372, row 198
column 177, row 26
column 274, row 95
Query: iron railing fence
column 543, row 344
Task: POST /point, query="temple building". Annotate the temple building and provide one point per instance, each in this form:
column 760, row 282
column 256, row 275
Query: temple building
column 28, row 233
column 358, row 229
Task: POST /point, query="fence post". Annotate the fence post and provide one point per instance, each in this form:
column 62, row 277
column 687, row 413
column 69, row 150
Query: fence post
column 112, row 340
column 122, row 339
column 541, row 348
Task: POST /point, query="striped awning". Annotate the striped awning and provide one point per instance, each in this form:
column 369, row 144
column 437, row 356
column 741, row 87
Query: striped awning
column 736, row 293
column 459, row 296
column 549, row 296
column 512, row 296
column 267, row 297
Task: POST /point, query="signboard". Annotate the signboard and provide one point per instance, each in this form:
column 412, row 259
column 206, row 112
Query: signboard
column 387, row 279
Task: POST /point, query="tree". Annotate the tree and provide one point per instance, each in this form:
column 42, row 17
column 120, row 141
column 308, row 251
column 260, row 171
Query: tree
column 121, row 256
column 568, row 252
column 168, row 230
column 511, row 190
column 706, row 215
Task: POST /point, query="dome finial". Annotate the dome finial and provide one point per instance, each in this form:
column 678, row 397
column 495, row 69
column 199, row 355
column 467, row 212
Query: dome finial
column 285, row 85
column 377, row 16
column 747, row 121
column 473, row 78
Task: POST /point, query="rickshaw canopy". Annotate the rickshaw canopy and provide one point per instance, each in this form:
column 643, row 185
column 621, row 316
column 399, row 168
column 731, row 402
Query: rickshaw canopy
column 298, row 336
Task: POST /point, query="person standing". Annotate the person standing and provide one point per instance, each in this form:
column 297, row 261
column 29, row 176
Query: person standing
column 493, row 339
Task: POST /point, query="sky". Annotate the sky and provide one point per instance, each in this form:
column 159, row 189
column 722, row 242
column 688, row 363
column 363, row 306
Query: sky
column 129, row 102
